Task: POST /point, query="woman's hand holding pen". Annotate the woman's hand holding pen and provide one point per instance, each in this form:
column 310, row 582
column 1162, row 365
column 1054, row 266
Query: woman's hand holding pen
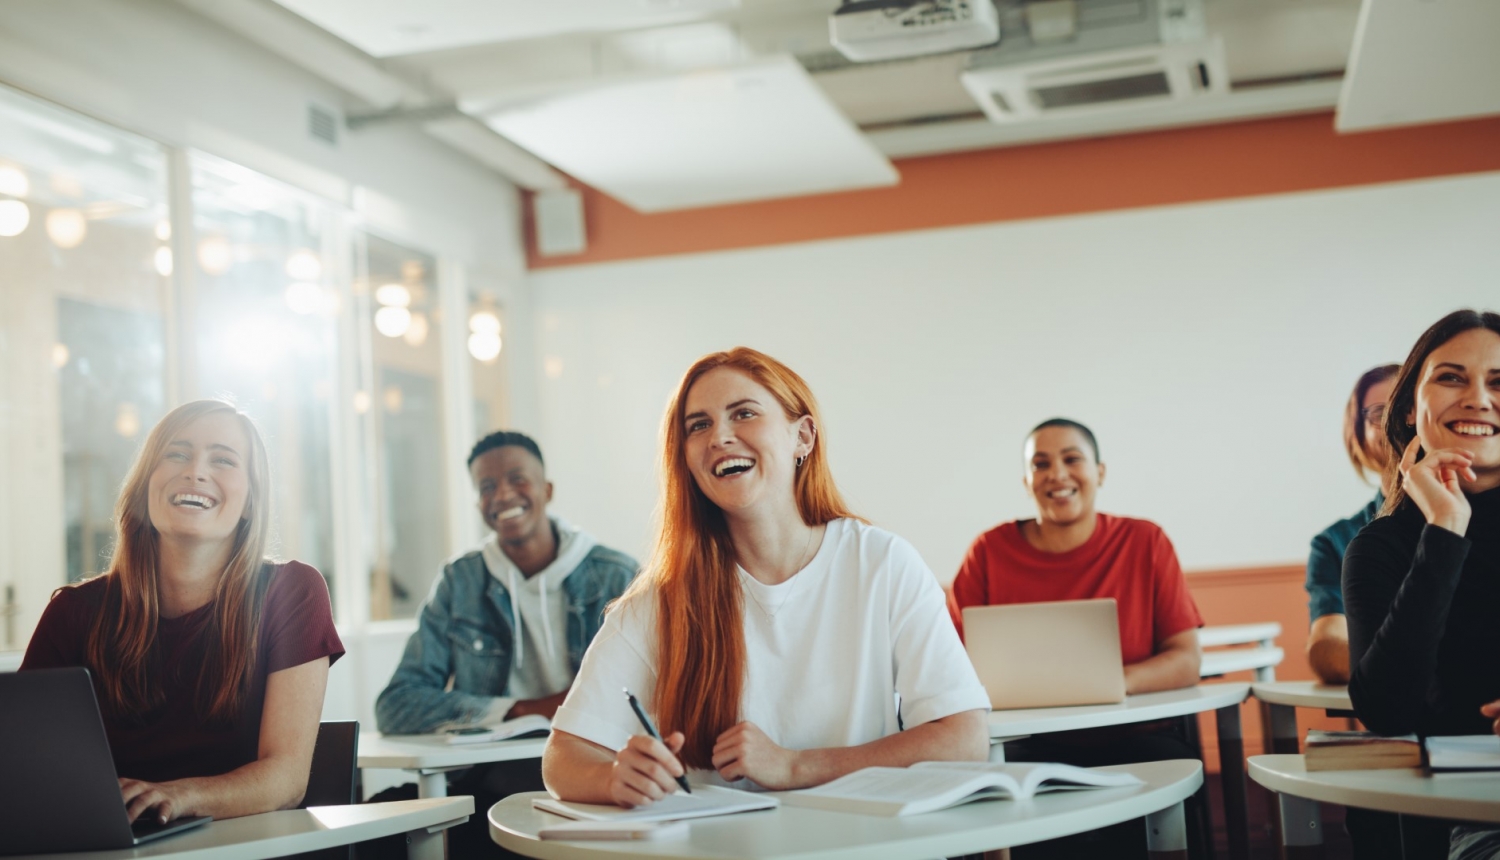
column 1433, row 483
column 646, row 770
column 745, row 752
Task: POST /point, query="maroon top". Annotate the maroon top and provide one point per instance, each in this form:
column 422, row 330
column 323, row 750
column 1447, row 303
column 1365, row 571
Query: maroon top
column 173, row 742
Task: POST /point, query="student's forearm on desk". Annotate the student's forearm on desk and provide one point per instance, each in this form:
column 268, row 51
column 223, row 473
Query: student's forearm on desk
column 958, row 737
column 1175, row 665
column 1328, row 649
column 577, row 770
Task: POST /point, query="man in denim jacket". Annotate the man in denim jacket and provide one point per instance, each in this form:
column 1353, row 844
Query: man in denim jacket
column 506, row 624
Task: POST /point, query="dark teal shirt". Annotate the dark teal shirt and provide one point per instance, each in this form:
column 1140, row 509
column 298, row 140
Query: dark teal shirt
column 1325, row 564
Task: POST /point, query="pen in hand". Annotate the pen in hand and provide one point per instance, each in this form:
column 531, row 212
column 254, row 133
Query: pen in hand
column 640, row 714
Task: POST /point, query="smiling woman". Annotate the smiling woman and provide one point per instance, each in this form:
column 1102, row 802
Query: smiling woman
column 1420, row 581
column 209, row 661
column 773, row 634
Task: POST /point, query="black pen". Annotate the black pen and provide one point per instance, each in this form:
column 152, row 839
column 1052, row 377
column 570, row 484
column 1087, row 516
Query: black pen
column 640, row 714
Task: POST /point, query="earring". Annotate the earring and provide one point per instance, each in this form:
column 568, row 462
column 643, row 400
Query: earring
column 800, row 459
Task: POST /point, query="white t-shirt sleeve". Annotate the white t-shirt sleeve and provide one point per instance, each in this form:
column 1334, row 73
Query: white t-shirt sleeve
column 933, row 674
column 618, row 659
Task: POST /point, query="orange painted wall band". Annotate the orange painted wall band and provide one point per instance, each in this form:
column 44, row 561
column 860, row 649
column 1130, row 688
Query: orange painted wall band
column 1215, row 162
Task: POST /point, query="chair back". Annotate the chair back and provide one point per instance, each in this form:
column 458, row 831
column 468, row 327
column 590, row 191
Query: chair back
column 333, row 779
column 334, row 765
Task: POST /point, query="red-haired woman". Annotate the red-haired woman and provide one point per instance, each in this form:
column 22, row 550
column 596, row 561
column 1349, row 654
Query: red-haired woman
column 208, row 661
column 772, row 631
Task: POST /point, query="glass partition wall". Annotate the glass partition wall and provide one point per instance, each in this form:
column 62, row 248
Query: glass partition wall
column 83, row 366
column 330, row 337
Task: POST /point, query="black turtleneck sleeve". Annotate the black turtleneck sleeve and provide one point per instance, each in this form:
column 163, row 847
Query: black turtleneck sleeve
column 1397, row 593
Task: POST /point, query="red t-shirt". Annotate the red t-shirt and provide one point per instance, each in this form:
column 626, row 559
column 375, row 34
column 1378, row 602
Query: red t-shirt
column 1127, row 559
column 174, row 742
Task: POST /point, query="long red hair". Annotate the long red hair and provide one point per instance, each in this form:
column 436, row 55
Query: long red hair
column 121, row 646
column 700, row 639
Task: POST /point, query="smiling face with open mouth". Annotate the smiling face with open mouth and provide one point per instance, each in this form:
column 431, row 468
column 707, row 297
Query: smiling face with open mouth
column 738, row 442
column 513, row 492
column 199, row 487
column 1458, row 401
column 1061, row 475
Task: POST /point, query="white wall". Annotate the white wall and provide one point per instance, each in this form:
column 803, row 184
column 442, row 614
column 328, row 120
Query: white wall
column 1211, row 347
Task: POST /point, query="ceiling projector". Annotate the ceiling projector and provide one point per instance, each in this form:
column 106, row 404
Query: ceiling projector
column 865, row 30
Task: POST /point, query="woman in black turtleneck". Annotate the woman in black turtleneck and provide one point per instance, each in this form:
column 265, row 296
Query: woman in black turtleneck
column 1422, row 581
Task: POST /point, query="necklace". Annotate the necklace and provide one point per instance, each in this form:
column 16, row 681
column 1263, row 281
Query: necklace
column 805, row 558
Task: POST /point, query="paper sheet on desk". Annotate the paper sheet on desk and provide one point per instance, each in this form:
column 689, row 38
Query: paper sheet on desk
column 705, row 801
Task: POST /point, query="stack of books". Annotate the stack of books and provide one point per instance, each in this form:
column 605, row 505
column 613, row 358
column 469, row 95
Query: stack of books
column 1359, row 751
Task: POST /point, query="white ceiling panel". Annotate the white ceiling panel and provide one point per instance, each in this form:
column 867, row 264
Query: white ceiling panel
column 388, row 28
column 1420, row 61
column 754, row 132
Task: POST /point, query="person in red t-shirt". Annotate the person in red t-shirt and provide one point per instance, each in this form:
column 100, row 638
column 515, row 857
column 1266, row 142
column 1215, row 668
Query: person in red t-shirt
column 1073, row 552
column 208, row 661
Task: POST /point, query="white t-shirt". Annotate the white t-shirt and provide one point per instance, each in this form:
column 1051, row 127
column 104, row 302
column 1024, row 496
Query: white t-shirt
column 827, row 652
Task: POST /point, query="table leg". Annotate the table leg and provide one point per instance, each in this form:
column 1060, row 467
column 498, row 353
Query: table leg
column 1166, row 834
column 1282, row 738
column 1301, row 827
column 432, row 783
column 1232, row 776
column 421, row 845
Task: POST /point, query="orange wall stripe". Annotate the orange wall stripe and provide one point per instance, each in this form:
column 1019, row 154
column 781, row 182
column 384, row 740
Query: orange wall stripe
column 1213, row 162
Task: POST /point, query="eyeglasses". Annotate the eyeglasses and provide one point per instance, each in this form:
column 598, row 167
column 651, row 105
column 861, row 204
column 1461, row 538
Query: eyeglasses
column 1374, row 414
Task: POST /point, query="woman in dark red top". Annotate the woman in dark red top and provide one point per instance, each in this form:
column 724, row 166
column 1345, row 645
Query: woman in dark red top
column 209, row 662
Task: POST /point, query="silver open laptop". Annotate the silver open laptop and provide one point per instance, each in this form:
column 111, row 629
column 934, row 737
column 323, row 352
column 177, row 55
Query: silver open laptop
column 1042, row 655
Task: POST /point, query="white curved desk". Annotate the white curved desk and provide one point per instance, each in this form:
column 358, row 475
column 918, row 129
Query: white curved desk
column 1406, row 791
column 293, row 831
column 793, row 833
column 1024, row 722
column 1283, row 698
column 431, row 757
column 1224, row 699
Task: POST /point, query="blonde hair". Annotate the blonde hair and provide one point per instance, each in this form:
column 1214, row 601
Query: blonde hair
column 700, row 638
column 121, row 643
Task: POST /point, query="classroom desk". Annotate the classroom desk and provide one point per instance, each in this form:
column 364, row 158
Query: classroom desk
column 1224, row 699
column 431, row 757
column 292, row 831
column 1283, row 698
column 792, row 833
column 1406, row 791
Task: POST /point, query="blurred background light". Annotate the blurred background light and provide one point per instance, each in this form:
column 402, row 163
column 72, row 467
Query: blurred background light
column 15, row 215
column 393, row 296
column 304, row 265
column 392, row 321
column 484, row 322
column 13, row 181
column 162, row 260
column 416, row 333
column 66, row 228
column 484, row 345
column 215, row 255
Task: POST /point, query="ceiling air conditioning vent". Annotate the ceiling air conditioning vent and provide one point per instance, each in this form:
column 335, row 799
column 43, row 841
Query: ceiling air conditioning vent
column 1153, row 74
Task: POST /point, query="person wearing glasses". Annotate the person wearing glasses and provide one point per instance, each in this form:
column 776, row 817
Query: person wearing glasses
column 1364, row 441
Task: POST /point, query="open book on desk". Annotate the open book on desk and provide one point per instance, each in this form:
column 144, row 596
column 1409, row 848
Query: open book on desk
column 529, row 726
column 932, row 785
column 705, row 801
